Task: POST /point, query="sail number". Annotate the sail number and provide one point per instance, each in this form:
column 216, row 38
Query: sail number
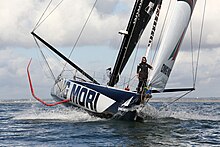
column 166, row 70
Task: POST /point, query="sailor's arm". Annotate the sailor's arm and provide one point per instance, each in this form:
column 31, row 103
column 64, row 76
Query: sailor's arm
column 151, row 67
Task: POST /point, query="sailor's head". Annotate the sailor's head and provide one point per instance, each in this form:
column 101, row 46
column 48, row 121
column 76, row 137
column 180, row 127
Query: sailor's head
column 144, row 59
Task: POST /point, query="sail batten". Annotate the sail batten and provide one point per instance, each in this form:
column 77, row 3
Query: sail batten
column 171, row 43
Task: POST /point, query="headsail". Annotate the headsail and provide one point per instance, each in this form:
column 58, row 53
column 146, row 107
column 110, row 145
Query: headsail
column 142, row 12
column 171, row 43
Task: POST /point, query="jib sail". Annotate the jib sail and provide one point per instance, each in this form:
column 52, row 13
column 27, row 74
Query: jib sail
column 171, row 43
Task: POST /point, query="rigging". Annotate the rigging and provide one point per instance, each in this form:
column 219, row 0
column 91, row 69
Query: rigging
column 162, row 30
column 200, row 40
column 41, row 20
column 77, row 40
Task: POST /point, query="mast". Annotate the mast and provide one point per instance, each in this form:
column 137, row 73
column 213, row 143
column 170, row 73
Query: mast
column 141, row 14
column 171, row 43
column 65, row 58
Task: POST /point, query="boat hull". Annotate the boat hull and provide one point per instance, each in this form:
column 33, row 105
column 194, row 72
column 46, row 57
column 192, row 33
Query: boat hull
column 97, row 100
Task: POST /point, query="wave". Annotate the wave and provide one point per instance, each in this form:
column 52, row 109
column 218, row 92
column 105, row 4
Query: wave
column 194, row 116
column 56, row 114
column 182, row 113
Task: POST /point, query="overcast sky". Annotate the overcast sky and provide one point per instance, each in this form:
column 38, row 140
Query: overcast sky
column 98, row 45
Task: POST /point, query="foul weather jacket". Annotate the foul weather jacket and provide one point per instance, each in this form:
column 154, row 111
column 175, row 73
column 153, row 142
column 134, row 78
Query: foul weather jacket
column 142, row 70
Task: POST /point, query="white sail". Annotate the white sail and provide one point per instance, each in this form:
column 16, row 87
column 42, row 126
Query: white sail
column 170, row 44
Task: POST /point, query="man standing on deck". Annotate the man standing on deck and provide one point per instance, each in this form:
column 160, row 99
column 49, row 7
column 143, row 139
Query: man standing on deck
column 142, row 72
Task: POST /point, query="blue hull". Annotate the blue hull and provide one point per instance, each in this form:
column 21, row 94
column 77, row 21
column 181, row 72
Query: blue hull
column 97, row 100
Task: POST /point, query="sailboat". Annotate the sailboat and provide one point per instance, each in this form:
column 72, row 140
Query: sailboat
column 108, row 101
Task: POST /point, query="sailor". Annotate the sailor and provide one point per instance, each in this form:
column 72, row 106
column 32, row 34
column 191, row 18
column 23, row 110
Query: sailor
column 142, row 72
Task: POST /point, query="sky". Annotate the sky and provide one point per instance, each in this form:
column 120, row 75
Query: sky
column 98, row 45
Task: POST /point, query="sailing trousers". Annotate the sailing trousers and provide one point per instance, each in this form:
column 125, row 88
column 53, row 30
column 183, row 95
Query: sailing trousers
column 141, row 85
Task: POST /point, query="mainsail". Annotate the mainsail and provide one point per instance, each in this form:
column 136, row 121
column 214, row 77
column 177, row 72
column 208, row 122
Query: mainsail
column 142, row 12
column 171, row 43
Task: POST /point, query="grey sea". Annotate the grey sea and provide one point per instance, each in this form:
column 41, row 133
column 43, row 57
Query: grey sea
column 28, row 123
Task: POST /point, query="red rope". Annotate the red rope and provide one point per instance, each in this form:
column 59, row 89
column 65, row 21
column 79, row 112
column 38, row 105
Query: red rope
column 33, row 94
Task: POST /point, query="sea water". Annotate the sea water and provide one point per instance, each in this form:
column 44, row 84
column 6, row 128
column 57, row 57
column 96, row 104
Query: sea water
column 181, row 124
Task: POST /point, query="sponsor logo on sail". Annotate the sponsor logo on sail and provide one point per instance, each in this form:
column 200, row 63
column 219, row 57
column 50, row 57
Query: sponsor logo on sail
column 166, row 70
